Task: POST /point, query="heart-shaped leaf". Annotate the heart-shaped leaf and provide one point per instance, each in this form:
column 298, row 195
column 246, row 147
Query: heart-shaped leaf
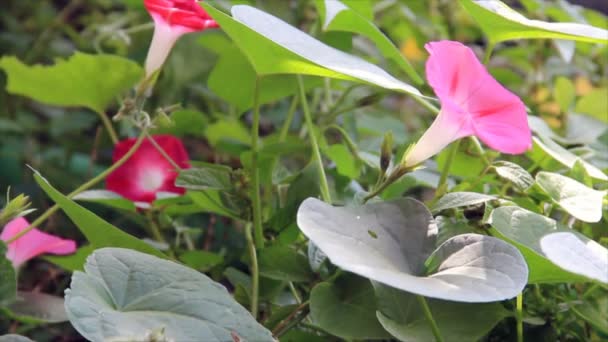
column 390, row 241
column 553, row 253
column 514, row 173
column 346, row 308
column 401, row 314
column 339, row 17
column 68, row 83
column 275, row 47
column 124, row 293
column 460, row 199
column 577, row 199
column 501, row 23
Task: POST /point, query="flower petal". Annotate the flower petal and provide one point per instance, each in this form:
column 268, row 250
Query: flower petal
column 33, row 243
column 147, row 171
column 453, row 71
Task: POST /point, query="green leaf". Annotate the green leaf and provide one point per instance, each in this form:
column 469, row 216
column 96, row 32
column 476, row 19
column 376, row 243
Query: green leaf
column 227, row 130
column 564, row 93
column 284, row 263
column 107, row 198
column 337, row 16
column 460, row 199
column 499, row 22
column 72, row 262
column 345, row 308
column 565, row 157
column 83, row 80
column 8, row 277
column 514, row 173
column 594, row 311
column 124, row 293
column 201, row 260
column 36, row 307
column 594, row 104
column 97, row 231
column 213, row 177
column 553, row 253
column 275, row 47
column 400, row 314
column 185, row 122
column 579, row 200
column 390, row 241
column 346, row 162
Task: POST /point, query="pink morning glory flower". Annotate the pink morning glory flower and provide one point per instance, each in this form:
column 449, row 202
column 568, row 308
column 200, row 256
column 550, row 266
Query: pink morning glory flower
column 33, row 243
column 172, row 19
column 472, row 103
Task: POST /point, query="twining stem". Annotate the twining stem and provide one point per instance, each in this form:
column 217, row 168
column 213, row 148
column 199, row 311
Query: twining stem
column 442, row 186
column 254, row 270
column 258, row 233
column 429, row 318
column 153, row 227
column 162, row 151
column 84, row 186
column 520, row 317
column 325, row 194
column 108, row 125
column 288, row 119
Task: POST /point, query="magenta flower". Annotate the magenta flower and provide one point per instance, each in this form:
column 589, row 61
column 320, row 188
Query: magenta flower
column 147, row 172
column 472, row 103
column 172, row 19
column 33, row 243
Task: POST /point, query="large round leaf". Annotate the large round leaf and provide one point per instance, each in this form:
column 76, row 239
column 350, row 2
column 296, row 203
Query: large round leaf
column 124, row 293
column 553, row 253
column 390, row 241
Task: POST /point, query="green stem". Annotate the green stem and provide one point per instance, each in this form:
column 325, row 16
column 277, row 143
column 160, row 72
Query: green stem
column 443, row 180
column 288, row 119
column 258, row 232
column 520, row 317
column 108, row 125
column 83, row 187
column 161, row 150
column 325, row 194
column 254, row 270
column 480, row 150
column 429, row 318
column 489, row 49
column 153, row 227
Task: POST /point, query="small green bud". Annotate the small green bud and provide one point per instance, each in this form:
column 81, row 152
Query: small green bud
column 14, row 208
column 386, row 152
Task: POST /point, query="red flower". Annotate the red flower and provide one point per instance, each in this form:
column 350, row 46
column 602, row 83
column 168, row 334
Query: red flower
column 147, row 172
column 172, row 19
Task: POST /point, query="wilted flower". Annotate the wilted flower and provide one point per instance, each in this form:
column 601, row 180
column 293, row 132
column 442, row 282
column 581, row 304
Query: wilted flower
column 33, row 243
column 472, row 103
column 147, row 172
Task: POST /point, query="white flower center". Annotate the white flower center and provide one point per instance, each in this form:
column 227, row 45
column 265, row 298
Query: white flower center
column 151, row 179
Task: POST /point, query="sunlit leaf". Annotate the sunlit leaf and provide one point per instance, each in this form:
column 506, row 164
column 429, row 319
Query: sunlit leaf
column 578, row 200
column 83, row 80
column 389, row 242
column 553, row 253
column 500, row 23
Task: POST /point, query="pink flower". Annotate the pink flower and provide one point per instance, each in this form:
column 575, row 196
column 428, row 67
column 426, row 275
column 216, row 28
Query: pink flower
column 33, row 243
column 147, row 172
column 472, row 103
column 172, row 19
